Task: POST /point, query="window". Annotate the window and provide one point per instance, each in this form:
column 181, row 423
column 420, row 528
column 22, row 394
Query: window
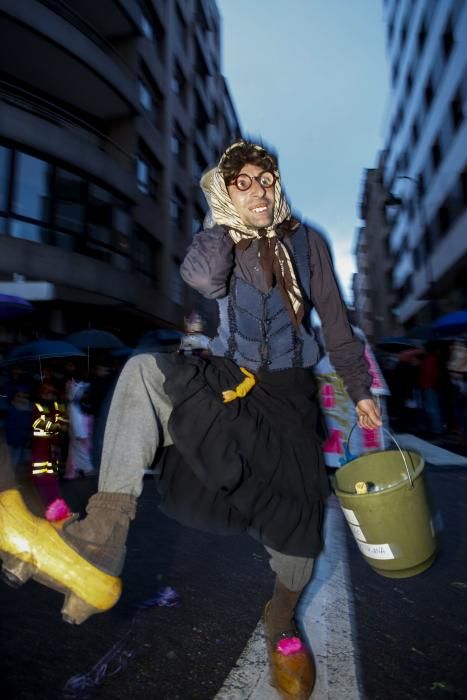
column 403, row 35
column 409, row 83
column 150, row 96
column 142, row 175
column 436, row 154
column 457, row 112
column 70, row 198
column 201, row 67
column 201, row 116
column 146, row 27
column 145, row 96
column 178, row 83
column 444, row 219
column 100, row 215
column 201, row 17
column 31, row 198
column 5, row 159
column 181, row 28
column 148, row 171
column 178, row 145
column 429, row 94
column 177, row 210
column 421, row 37
column 29, row 231
column 447, row 40
column 152, row 29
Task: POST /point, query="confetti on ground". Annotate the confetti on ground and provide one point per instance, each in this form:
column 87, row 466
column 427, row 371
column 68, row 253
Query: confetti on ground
column 83, row 685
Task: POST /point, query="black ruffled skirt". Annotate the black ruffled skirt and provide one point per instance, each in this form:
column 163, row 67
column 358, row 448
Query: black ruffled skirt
column 253, row 465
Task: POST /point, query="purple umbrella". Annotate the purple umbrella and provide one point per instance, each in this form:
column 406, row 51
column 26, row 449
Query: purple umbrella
column 12, row 307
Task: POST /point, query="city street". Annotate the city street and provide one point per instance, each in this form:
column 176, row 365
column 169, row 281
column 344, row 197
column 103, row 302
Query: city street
column 373, row 637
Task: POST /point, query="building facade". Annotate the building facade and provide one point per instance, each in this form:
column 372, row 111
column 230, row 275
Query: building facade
column 426, row 164
column 109, row 113
column 373, row 293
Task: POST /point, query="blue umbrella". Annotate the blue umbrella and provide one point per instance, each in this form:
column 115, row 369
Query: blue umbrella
column 397, row 343
column 94, row 339
column 12, row 307
column 451, row 324
column 159, row 340
column 42, row 350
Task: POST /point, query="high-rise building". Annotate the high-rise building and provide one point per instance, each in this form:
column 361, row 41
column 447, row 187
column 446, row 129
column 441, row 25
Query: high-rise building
column 109, row 113
column 426, row 163
column 372, row 284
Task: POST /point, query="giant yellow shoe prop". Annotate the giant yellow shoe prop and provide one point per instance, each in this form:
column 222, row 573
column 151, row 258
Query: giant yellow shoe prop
column 30, row 547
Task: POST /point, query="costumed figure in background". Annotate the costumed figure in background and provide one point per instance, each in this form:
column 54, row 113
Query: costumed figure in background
column 457, row 367
column 339, row 410
column 238, row 427
column 18, row 421
column 194, row 342
column 49, row 421
column 80, row 432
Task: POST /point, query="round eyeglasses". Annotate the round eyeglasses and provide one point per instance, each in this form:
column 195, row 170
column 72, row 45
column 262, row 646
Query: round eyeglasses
column 243, row 182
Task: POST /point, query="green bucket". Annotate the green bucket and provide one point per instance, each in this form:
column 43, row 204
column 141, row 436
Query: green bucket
column 391, row 523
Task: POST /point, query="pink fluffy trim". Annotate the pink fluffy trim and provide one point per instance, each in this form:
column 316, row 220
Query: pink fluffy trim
column 57, row 510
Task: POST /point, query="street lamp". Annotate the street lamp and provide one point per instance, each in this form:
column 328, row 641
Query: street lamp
column 393, row 200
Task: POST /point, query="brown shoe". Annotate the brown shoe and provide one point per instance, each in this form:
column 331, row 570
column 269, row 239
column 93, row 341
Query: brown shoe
column 293, row 671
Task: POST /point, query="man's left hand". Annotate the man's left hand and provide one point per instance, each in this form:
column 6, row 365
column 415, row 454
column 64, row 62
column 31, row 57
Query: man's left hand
column 368, row 414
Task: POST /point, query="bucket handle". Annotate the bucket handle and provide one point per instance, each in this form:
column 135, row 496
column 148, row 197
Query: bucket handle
column 388, row 432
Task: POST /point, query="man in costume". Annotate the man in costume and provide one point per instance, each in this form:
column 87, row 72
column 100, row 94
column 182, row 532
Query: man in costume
column 239, row 428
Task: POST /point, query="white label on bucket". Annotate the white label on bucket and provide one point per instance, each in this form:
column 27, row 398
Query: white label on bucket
column 376, row 551
column 350, row 516
column 357, row 532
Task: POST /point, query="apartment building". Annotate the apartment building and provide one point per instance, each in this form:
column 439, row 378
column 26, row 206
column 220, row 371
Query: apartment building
column 109, row 113
column 426, row 163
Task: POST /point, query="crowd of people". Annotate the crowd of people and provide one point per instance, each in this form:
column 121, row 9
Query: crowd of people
column 428, row 389
column 48, row 414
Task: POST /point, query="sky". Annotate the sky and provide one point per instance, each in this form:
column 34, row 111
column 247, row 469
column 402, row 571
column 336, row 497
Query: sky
column 310, row 78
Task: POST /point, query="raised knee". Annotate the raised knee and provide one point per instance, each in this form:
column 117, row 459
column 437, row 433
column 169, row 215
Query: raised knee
column 139, row 364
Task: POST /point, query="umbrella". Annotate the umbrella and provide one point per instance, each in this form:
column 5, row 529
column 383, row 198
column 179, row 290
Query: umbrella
column 424, row 332
column 42, row 350
column 93, row 339
column 160, row 340
column 12, row 307
column 451, row 324
column 397, row 343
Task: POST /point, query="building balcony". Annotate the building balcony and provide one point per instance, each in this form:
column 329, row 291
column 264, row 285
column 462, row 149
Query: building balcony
column 58, row 135
column 113, row 19
column 47, row 46
column 78, row 276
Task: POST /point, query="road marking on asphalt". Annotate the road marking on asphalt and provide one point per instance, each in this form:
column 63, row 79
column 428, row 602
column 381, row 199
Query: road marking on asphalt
column 326, row 618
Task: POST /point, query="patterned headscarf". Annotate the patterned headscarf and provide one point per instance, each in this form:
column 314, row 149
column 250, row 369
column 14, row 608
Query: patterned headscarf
column 273, row 254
